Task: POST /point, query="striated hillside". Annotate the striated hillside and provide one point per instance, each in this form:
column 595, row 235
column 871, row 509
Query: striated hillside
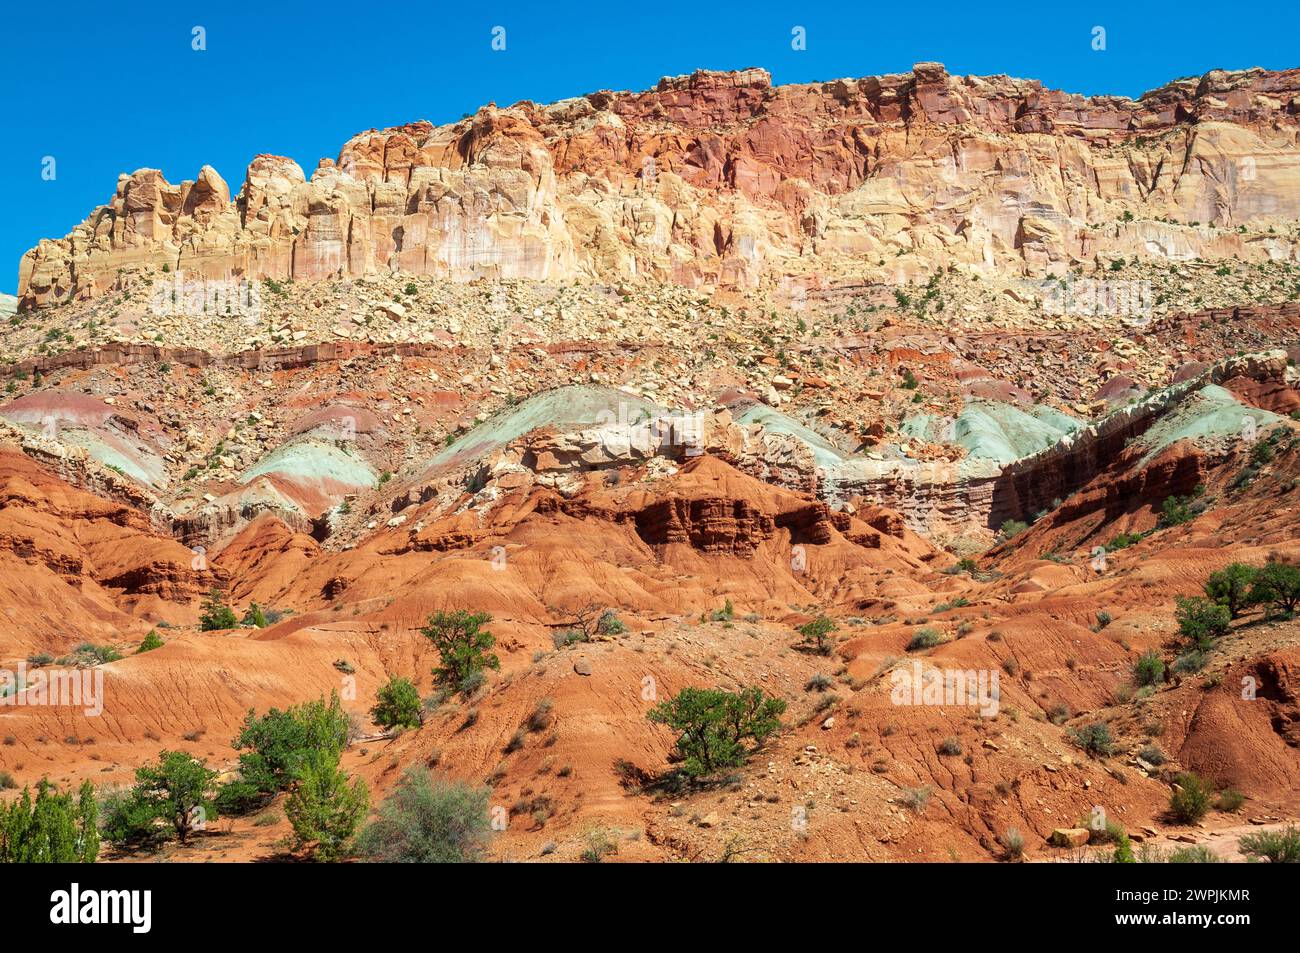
column 656, row 380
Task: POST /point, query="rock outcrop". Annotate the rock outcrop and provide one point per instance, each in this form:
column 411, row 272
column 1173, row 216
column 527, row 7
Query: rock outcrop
column 725, row 179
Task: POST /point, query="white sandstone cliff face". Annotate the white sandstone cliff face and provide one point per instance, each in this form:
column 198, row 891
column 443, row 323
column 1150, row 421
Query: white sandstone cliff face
column 723, row 179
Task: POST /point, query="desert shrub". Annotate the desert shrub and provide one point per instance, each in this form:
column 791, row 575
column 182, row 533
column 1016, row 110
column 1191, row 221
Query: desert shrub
column 599, row 844
column 1198, row 854
column 179, row 791
column 1190, row 662
column 950, row 747
column 52, row 828
column 324, row 809
column 1230, row 587
column 397, row 705
column 1149, row 669
column 150, row 642
column 1103, row 620
column 917, row 798
column 88, row 655
column 1152, row 755
column 1123, row 853
column 215, row 614
column 254, row 616
column 237, row 798
column 1277, row 585
column 714, row 725
column 541, row 716
column 1190, row 798
column 429, row 821
column 462, row 644
column 817, row 634
column 1277, row 847
column 1175, row 511
column 926, row 638
column 127, row 821
column 1013, row 528
column 1230, row 801
column 1261, row 453
column 1013, row 844
column 1202, row 621
column 566, row 637
column 1094, row 738
column 471, row 683
column 725, row 614
column 818, row 682
column 277, row 745
column 610, row 623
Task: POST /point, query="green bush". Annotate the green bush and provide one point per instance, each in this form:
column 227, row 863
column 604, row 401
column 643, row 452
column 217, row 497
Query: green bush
column 725, row 614
column 566, row 637
column 610, row 623
column 1152, row 755
column 237, row 798
column 179, row 791
column 926, row 638
column 151, row 641
column 1190, row 799
column 1230, row 587
column 1277, row 847
column 817, row 634
column 127, row 821
column 1149, row 669
column 1013, row 528
column 324, row 809
column 1277, row 585
column 1202, row 621
column 1175, row 511
column 1230, row 801
column 214, row 614
column 254, row 616
column 714, row 725
column 429, row 821
column 462, row 645
column 52, row 828
column 397, row 705
column 277, row 745
column 1094, row 738
column 1199, row 854
column 88, row 655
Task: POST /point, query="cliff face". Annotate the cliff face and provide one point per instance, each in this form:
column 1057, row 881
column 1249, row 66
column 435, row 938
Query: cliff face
column 722, row 178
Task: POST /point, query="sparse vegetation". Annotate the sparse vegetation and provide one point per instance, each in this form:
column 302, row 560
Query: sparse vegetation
column 714, row 726
column 926, row 638
column 51, row 828
column 1191, row 798
column 817, row 634
column 1149, row 669
column 1277, row 847
column 397, row 705
column 463, row 646
column 429, row 821
column 1094, row 738
column 214, row 614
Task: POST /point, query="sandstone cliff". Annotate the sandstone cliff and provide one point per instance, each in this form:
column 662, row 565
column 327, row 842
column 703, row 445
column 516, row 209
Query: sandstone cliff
column 725, row 179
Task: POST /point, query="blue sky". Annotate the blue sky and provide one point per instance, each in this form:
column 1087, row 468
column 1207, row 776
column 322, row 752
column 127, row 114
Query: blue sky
column 106, row 90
